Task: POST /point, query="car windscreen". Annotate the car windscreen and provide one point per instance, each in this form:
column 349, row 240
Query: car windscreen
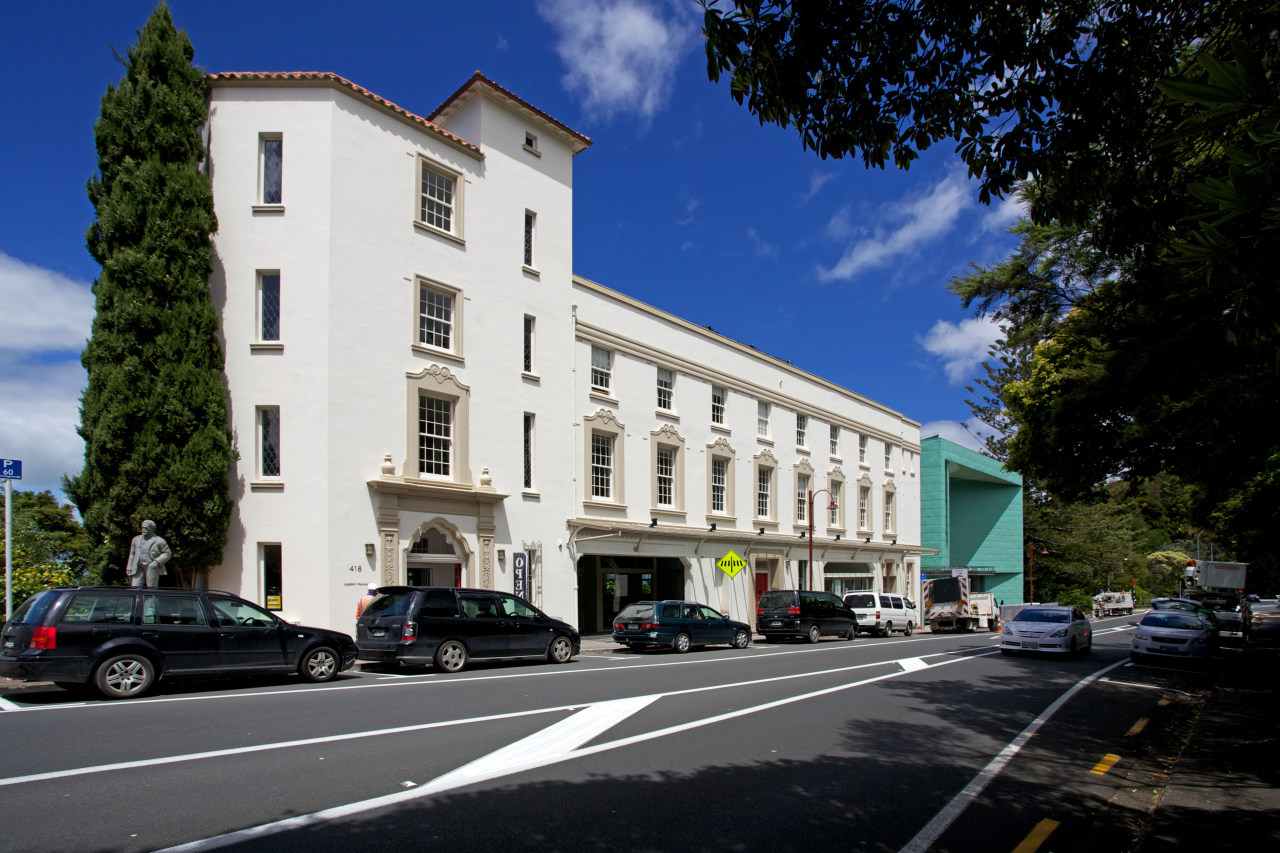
column 1033, row 615
column 637, row 611
column 34, row 608
column 777, row 598
column 860, row 599
column 1172, row 619
column 389, row 604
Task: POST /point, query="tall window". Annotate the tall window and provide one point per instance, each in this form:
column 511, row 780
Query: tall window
column 762, row 419
column 666, row 476
column 530, row 221
column 528, row 450
column 802, row 430
column 528, row 344
column 833, row 519
column 269, row 441
column 864, row 507
column 835, row 440
column 436, row 199
column 435, row 317
column 802, row 498
column 888, row 456
column 665, row 383
column 435, row 436
column 268, row 306
column 862, row 448
column 272, row 575
column 719, row 482
column 888, row 511
column 601, row 466
column 764, row 490
column 601, row 369
column 271, row 168
column 717, row 404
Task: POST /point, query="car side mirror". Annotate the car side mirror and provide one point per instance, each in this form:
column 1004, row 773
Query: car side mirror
column 724, row 616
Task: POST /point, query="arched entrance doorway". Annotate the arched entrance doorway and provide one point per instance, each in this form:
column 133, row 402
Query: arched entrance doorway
column 433, row 560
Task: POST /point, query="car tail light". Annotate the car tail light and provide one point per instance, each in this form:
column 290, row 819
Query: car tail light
column 618, row 626
column 44, row 638
column 409, row 632
column 759, row 611
column 648, row 626
column 793, row 611
column 877, row 614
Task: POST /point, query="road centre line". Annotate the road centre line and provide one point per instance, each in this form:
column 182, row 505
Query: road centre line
column 541, row 757
column 925, row 838
column 1150, row 687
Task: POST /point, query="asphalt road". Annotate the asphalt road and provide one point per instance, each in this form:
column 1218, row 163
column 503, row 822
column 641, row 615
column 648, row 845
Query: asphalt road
column 921, row 743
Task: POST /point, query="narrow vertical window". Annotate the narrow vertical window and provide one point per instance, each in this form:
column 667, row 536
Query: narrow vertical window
column 271, row 166
column 717, row 404
column 665, row 384
column 888, row 456
column 269, row 441
column 269, row 306
column 601, row 369
column 864, row 508
column 530, row 221
column 834, row 518
column 719, row 480
column 272, row 575
column 436, row 200
column 835, row 440
column 762, row 419
column 528, row 450
column 666, row 476
column 435, row 318
column 528, row 344
column 802, row 498
column 802, row 430
column 764, row 490
column 888, row 512
column 862, row 448
column 601, row 466
column 435, row 436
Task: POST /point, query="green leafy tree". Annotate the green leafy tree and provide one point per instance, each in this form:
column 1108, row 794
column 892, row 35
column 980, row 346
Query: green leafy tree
column 154, row 415
column 50, row 547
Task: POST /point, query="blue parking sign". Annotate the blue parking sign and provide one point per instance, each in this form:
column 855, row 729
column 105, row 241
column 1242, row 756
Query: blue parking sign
column 10, row 469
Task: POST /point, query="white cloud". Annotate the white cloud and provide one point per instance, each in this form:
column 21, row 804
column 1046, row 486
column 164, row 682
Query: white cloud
column 43, row 309
column 920, row 220
column 817, row 181
column 621, row 55
column 1006, row 212
column 961, row 346
column 951, row 431
column 763, row 249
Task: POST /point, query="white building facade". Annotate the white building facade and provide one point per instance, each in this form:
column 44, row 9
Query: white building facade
column 422, row 392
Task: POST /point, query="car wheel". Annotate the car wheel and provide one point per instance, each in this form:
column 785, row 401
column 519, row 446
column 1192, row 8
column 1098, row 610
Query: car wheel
column 906, row 632
column 451, row 656
column 320, row 664
column 561, row 649
column 814, row 634
column 1074, row 649
column 888, row 629
column 741, row 639
column 853, row 633
column 1006, row 651
column 682, row 643
column 124, row 676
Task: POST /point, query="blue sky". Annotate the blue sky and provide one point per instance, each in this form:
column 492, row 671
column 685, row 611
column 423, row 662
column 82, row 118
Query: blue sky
column 684, row 201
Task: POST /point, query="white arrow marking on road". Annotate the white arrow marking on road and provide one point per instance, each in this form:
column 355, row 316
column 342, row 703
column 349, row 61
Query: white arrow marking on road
column 912, row 664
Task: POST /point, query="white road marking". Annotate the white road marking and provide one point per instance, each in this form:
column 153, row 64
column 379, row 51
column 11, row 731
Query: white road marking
column 1151, row 687
column 925, row 838
column 6, row 705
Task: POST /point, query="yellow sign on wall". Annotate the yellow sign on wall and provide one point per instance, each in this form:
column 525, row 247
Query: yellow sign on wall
column 731, row 564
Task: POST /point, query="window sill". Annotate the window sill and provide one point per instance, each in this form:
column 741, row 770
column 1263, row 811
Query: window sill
column 599, row 504
column 531, row 495
column 723, row 430
column 266, row 346
column 266, row 486
column 534, row 151
column 438, row 232
column 603, row 397
column 836, row 458
column 864, row 466
column 437, row 353
column 804, row 451
column 530, row 271
column 275, row 209
column 668, row 512
column 532, row 377
column 764, row 439
column 666, row 414
column 727, row 519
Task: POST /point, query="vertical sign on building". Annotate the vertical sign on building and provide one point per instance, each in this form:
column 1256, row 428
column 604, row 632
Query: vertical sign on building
column 520, row 565
column 10, row 470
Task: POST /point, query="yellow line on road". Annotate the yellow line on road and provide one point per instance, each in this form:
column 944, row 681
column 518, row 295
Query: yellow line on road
column 1137, row 727
column 1032, row 842
column 1108, row 761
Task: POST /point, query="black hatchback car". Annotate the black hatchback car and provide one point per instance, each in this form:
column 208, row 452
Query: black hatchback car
column 804, row 613
column 124, row 639
column 448, row 626
column 678, row 625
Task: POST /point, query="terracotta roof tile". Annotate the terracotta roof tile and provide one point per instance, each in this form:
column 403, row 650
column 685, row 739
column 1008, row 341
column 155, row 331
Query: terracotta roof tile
column 580, row 141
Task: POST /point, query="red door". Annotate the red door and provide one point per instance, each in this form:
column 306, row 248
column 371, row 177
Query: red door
column 762, row 586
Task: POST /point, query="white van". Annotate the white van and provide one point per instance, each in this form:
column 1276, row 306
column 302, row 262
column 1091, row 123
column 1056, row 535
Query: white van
column 883, row 612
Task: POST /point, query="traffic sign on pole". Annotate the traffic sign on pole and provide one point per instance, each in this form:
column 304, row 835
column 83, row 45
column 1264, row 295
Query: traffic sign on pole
column 10, row 469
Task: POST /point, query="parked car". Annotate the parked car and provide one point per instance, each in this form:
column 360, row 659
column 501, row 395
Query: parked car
column 1253, row 598
column 1044, row 628
column 446, row 627
column 124, row 639
column 1171, row 633
column 678, row 625
column 804, row 613
column 1189, row 605
column 883, row 613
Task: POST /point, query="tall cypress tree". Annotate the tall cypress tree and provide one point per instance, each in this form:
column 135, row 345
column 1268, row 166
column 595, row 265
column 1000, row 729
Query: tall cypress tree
column 154, row 416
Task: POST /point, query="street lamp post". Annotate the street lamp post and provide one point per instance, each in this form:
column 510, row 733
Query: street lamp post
column 1031, row 568
column 831, row 506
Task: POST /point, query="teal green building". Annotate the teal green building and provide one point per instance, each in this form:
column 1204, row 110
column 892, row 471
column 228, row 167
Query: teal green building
column 971, row 514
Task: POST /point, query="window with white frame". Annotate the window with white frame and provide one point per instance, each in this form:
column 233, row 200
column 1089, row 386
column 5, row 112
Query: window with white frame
column 719, row 483
column 528, row 450
column 764, row 492
column 268, row 441
column 601, row 370
column 528, row 344
column 762, row 419
column 864, row 507
column 271, row 561
column 862, row 449
column 530, row 226
column 270, row 168
column 802, row 430
column 835, row 440
column 435, row 436
column 834, row 508
column 666, row 476
column 720, row 478
column 438, row 199
column 717, row 404
column 439, row 317
column 802, row 498
column 601, row 466
column 888, row 456
column 531, row 142
column 268, row 306
column 666, row 382
column 889, row 521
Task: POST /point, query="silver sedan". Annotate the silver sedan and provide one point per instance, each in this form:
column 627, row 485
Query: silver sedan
column 1171, row 634
column 1047, row 628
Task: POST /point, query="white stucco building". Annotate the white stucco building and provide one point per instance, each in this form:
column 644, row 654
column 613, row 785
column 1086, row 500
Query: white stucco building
column 422, row 391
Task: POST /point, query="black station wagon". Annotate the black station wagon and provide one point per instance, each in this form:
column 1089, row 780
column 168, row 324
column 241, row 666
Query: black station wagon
column 123, row 639
column 447, row 626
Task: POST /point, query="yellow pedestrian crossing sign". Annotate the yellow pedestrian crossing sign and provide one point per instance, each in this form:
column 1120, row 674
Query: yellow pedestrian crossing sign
column 731, row 564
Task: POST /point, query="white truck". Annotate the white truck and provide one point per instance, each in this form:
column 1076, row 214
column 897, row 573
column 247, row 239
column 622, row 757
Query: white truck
column 1112, row 604
column 949, row 605
column 1218, row 576
column 1220, row 587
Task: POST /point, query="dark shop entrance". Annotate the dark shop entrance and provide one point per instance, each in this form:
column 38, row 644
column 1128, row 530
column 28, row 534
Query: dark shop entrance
column 606, row 584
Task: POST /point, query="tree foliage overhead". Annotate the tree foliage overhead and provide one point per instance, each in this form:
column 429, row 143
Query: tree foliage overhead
column 154, row 415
